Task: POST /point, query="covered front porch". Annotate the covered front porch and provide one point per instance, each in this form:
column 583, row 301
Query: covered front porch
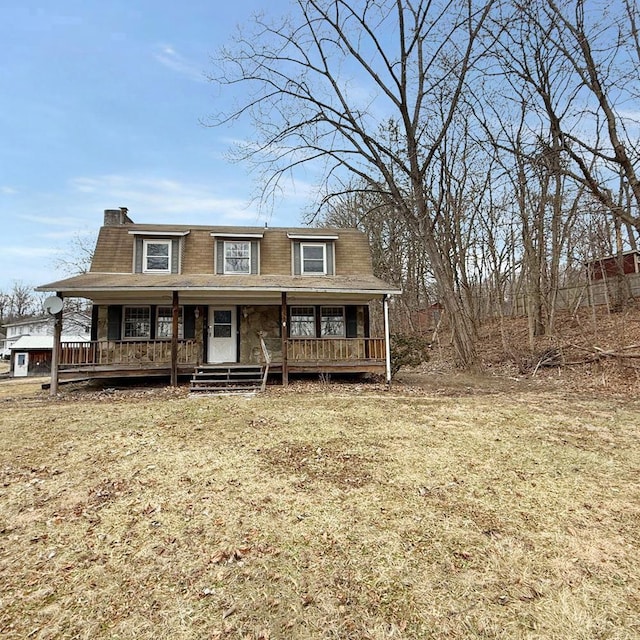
column 126, row 358
column 195, row 330
column 161, row 332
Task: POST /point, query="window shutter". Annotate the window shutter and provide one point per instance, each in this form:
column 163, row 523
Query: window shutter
column 114, row 322
column 329, row 254
column 189, row 322
column 175, row 255
column 138, row 255
column 94, row 321
column 219, row 256
column 254, row 257
column 297, row 269
column 366, row 321
column 351, row 313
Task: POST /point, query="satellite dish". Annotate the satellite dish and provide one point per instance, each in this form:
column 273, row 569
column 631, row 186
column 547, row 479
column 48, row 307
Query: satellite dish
column 53, row 305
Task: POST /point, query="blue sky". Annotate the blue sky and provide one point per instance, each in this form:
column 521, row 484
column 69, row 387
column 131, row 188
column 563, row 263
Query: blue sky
column 101, row 108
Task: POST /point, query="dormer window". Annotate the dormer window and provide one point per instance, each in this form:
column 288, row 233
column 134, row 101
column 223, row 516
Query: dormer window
column 237, row 257
column 313, row 258
column 156, row 256
column 237, row 253
column 313, row 254
column 157, row 251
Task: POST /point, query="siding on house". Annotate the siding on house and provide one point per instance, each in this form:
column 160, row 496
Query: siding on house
column 609, row 266
column 114, row 251
column 198, row 252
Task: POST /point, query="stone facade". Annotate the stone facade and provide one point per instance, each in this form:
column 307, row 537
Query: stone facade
column 253, row 320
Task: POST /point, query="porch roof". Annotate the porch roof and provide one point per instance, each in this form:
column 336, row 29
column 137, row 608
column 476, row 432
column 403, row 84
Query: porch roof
column 88, row 284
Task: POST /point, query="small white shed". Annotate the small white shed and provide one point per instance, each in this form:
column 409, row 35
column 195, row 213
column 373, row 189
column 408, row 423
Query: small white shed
column 31, row 355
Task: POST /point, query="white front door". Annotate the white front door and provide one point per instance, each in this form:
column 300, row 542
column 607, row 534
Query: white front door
column 222, row 334
column 21, row 366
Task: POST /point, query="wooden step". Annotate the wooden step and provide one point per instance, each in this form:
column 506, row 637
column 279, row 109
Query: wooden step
column 227, row 378
column 226, row 375
column 219, row 384
column 230, row 388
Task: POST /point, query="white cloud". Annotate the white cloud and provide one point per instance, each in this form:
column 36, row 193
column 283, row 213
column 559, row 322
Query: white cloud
column 35, row 238
column 8, row 191
column 167, row 56
column 162, row 200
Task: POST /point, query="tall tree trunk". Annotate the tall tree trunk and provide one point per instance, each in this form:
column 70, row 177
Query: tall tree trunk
column 463, row 329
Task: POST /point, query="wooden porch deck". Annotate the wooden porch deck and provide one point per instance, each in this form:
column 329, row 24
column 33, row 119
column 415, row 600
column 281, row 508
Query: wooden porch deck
column 152, row 358
column 80, row 372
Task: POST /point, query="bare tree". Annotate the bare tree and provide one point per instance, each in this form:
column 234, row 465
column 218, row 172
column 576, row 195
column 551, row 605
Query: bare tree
column 580, row 67
column 22, row 300
column 76, row 260
column 5, row 306
column 78, row 255
column 548, row 133
column 320, row 85
column 398, row 256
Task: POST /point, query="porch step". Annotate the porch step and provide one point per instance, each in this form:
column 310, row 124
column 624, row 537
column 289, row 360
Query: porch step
column 227, row 378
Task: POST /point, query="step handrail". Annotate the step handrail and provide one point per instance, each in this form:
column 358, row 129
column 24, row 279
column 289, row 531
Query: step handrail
column 267, row 360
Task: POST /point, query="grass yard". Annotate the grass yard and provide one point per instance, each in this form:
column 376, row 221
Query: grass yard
column 319, row 512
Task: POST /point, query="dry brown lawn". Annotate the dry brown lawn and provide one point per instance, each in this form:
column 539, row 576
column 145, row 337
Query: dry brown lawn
column 500, row 511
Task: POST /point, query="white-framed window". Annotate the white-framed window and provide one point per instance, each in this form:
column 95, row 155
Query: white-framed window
column 136, row 323
column 164, row 323
column 302, row 323
column 156, row 256
column 332, row 322
column 237, row 257
column 313, row 258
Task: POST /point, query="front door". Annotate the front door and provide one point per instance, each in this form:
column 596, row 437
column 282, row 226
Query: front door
column 21, row 366
column 222, row 334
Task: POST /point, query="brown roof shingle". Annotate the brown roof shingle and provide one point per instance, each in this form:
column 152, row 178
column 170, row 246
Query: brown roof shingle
column 100, row 282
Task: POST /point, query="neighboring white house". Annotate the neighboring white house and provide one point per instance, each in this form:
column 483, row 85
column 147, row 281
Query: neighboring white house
column 74, row 324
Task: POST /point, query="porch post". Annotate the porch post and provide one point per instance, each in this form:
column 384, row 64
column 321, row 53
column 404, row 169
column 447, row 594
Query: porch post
column 283, row 318
column 387, row 338
column 174, row 340
column 55, row 352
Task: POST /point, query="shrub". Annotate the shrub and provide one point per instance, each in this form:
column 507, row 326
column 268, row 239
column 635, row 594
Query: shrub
column 408, row 351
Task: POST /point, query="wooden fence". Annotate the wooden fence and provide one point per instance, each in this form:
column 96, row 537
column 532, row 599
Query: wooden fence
column 610, row 292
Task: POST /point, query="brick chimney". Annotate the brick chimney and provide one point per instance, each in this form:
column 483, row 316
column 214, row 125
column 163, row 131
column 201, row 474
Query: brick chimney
column 116, row 217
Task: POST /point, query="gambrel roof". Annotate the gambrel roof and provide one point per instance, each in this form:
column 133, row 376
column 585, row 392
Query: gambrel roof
column 112, row 268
